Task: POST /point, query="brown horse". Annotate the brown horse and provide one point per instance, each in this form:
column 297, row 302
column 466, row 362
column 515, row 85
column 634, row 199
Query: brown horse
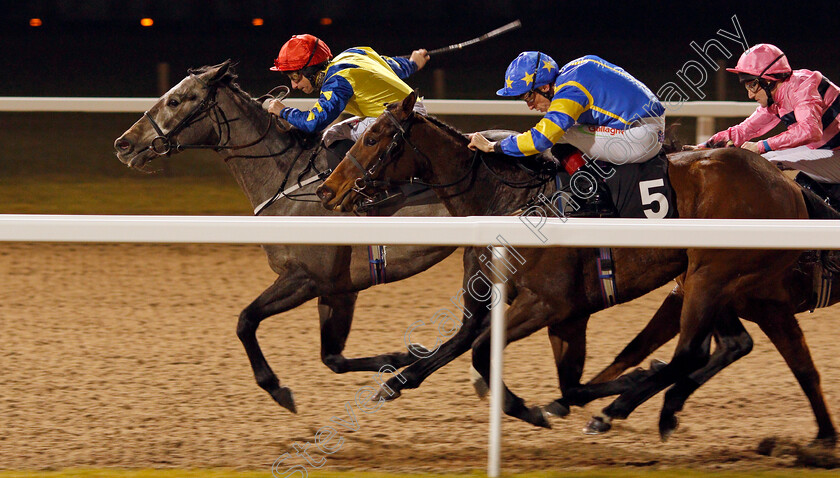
column 556, row 288
column 208, row 110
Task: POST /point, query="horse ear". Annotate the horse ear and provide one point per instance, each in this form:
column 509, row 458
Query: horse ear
column 408, row 104
column 218, row 72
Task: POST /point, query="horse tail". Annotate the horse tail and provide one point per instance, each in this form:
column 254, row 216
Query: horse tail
column 817, row 208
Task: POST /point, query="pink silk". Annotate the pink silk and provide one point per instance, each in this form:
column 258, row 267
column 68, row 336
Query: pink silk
column 797, row 94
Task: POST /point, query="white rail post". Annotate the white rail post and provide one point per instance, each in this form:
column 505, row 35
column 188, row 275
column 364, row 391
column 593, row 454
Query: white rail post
column 497, row 347
column 705, row 128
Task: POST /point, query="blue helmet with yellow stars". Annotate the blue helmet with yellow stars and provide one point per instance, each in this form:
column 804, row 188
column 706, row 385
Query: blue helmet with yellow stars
column 529, row 71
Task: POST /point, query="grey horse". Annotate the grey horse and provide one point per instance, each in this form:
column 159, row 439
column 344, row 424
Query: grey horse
column 267, row 157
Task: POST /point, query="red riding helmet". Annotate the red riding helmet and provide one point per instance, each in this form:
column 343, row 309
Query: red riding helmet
column 301, row 51
column 763, row 61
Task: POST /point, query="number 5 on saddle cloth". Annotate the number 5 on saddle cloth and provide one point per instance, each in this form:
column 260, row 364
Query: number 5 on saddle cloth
column 599, row 189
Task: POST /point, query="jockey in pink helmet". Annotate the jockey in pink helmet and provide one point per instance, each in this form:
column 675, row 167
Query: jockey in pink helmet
column 805, row 101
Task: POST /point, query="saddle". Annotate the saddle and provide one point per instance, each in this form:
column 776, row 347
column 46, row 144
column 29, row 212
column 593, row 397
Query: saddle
column 636, row 190
column 829, row 193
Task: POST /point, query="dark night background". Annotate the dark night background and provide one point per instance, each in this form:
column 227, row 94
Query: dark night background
column 64, row 162
column 98, row 48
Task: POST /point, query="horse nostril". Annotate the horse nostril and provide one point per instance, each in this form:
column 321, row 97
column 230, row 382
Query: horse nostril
column 325, row 193
column 123, row 145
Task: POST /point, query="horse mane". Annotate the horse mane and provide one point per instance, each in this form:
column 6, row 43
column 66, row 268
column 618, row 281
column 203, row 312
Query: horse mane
column 229, row 78
column 671, row 143
column 449, row 129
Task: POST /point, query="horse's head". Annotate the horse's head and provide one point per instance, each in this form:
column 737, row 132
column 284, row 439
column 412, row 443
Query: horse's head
column 181, row 116
column 378, row 154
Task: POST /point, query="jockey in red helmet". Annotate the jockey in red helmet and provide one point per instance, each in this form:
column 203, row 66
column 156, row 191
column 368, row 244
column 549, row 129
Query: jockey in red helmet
column 805, row 101
column 358, row 80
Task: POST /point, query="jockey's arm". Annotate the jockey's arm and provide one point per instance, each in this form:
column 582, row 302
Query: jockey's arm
column 568, row 103
column 335, row 94
column 405, row 67
column 757, row 124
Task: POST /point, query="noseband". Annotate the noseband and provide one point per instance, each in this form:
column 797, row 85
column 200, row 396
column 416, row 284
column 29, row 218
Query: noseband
column 401, row 134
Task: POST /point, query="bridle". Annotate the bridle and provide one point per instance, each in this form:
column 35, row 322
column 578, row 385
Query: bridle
column 401, row 135
column 165, row 143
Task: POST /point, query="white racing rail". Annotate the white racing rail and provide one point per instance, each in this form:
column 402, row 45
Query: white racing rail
column 704, row 111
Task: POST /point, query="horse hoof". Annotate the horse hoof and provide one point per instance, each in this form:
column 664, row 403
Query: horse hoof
column 480, row 386
column 285, row 398
column 537, row 416
column 667, row 426
column 557, row 408
column 597, row 426
column 824, row 442
column 383, row 394
column 657, row 365
column 418, row 351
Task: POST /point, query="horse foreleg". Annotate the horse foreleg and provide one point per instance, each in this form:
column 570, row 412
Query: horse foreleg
column 568, row 343
column 286, row 293
column 476, row 312
column 526, row 315
column 336, row 314
column 733, row 342
column 782, row 328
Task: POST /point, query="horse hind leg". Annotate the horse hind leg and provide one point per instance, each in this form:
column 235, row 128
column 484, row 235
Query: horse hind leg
column 733, row 342
column 336, row 317
column 700, row 307
column 663, row 326
column 284, row 294
column 782, row 328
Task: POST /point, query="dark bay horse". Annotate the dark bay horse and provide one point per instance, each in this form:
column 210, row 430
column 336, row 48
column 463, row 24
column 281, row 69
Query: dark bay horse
column 207, row 109
column 557, row 288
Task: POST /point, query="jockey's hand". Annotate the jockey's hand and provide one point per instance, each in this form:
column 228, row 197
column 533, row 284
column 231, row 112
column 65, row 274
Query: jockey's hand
column 479, row 142
column 750, row 146
column 420, row 57
column 694, row 147
column 273, row 106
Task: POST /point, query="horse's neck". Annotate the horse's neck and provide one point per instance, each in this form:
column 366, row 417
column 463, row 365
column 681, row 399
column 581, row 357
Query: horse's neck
column 260, row 177
column 480, row 193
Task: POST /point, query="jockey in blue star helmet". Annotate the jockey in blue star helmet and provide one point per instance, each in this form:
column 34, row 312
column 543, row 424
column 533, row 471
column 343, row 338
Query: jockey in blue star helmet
column 529, row 71
column 590, row 103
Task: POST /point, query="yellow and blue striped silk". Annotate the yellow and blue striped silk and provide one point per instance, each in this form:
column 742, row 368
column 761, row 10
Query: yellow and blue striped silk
column 358, row 81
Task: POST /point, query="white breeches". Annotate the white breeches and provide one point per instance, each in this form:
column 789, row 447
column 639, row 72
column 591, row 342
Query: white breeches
column 636, row 144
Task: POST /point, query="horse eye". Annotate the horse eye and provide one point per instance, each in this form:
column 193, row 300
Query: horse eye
column 172, row 103
column 370, row 141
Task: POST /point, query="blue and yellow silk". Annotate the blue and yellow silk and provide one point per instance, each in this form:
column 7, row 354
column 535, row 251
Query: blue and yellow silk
column 591, row 91
column 359, row 81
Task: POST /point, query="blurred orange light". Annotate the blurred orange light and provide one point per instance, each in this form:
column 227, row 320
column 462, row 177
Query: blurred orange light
column 257, row 22
column 35, row 22
column 326, row 21
column 147, row 22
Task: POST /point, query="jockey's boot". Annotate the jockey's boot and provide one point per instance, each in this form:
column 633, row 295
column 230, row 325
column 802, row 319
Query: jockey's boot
column 591, row 191
column 821, row 190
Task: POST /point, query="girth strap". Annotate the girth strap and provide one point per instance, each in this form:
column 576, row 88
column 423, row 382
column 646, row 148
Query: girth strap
column 377, row 259
column 606, row 274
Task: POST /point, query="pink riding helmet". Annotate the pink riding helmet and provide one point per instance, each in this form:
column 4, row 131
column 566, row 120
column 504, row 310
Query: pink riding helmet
column 764, row 61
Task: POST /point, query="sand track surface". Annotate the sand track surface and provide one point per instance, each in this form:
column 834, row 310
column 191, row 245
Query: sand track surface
column 127, row 356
